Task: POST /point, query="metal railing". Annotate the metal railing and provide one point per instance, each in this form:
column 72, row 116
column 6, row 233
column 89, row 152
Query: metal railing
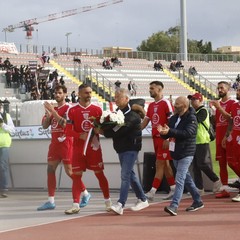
column 151, row 56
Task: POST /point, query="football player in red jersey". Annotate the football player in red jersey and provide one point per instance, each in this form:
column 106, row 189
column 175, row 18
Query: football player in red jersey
column 87, row 153
column 223, row 107
column 231, row 141
column 60, row 148
column 158, row 113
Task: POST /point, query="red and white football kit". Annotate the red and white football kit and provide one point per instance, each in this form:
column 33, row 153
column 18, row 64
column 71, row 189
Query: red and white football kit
column 221, row 128
column 233, row 147
column 80, row 120
column 60, row 148
column 159, row 112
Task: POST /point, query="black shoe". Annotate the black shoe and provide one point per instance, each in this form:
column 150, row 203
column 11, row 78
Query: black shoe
column 195, row 207
column 235, row 184
column 171, row 210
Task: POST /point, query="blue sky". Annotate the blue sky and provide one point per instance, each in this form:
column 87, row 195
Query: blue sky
column 125, row 24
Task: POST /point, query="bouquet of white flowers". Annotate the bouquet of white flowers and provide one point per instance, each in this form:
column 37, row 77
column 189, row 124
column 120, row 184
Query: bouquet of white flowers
column 111, row 118
column 108, row 120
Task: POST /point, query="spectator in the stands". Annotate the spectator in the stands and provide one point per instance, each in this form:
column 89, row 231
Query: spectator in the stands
column 236, row 84
column 179, row 65
column 132, row 88
column 238, row 78
column 106, row 64
column 34, row 90
column 8, row 75
column 173, row 66
column 45, row 94
column 61, row 81
column 55, row 74
column 117, row 85
column 192, row 71
column 73, row 97
column 16, row 76
column 45, row 58
column 115, row 61
column 158, row 66
column 1, row 64
column 55, row 83
column 67, row 99
column 7, row 64
column 77, row 59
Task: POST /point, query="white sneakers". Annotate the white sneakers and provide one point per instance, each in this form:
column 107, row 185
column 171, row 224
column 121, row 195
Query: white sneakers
column 140, row 205
column 118, row 209
column 216, row 186
column 237, row 198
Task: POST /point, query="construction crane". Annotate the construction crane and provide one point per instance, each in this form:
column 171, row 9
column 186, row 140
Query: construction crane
column 27, row 25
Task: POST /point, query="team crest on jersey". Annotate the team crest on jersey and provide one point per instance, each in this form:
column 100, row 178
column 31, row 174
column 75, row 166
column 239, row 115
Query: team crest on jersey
column 155, row 118
column 54, row 123
column 85, row 115
column 222, row 118
column 236, row 121
column 164, row 155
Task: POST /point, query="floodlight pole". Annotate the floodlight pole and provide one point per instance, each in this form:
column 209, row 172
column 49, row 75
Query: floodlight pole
column 183, row 35
column 67, row 34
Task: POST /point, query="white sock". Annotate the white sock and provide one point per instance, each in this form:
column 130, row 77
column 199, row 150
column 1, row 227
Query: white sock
column 153, row 190
column 172, row 188
column 85, row 192
column 76, row 205
column 51, row 199
column 224, row 187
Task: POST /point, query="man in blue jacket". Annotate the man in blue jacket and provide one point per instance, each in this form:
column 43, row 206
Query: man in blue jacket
column 181, row 131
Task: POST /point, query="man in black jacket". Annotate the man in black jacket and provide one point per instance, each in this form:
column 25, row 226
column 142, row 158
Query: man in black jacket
column 127, row 142
column 181, row 131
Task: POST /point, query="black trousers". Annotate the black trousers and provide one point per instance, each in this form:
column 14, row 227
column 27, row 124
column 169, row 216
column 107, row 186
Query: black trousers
column 202, row 162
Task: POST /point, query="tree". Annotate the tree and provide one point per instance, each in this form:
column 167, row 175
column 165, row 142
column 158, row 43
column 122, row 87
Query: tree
column 168, row 41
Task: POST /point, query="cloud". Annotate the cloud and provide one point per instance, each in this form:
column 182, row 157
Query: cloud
column 124, row 24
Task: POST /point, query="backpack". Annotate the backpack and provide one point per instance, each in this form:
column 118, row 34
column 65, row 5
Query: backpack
column 210, row 131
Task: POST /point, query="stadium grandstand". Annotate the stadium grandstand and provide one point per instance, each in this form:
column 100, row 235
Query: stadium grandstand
column 78, row 66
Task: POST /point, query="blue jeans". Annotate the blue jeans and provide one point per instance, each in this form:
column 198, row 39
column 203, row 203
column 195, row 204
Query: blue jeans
column 183, row 177
column 128, row 177
column 4, row 168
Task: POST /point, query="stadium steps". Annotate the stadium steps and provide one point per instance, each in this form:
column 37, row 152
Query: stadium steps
column 73, row 79
column 174, row 77
column 200, row 87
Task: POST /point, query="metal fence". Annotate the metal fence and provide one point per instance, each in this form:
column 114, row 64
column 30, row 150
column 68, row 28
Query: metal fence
column 151, row 56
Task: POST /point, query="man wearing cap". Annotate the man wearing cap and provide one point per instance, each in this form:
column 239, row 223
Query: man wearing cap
column 6, row 127
column 202, row 158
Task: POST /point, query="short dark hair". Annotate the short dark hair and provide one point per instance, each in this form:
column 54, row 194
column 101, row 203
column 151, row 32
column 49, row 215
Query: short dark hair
column 225, row 83
column 82, row 86
column 159, row 83
column 61, row 87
